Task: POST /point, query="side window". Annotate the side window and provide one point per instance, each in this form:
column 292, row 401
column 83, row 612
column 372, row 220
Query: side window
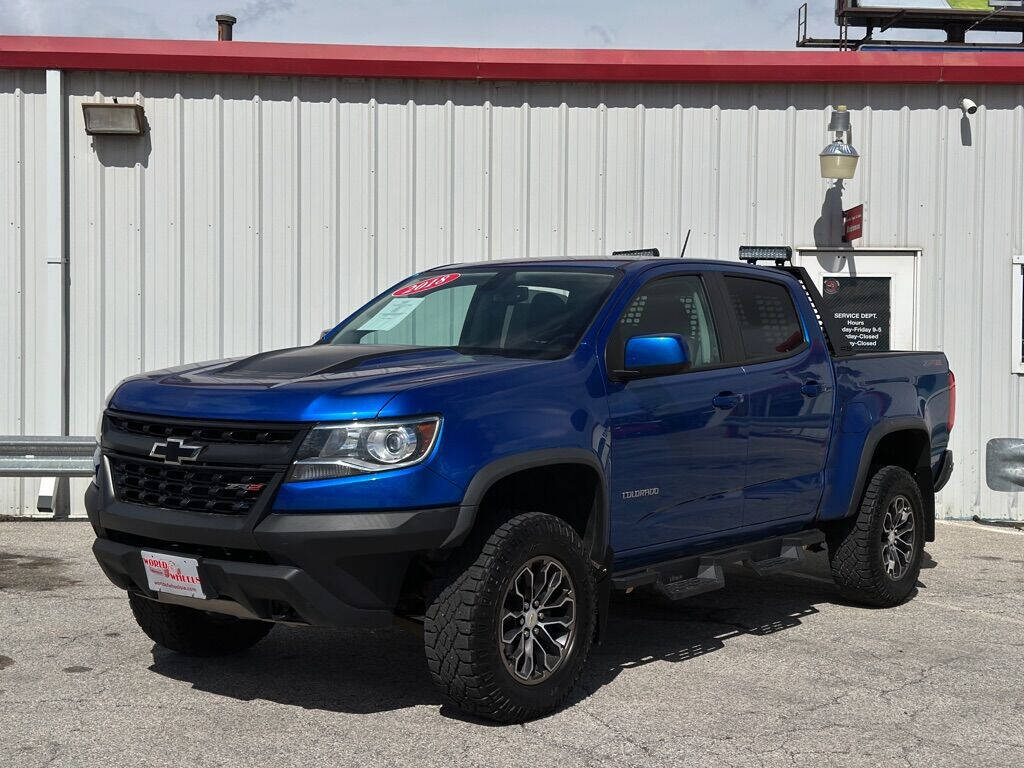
column 669, row 305
column 768, row 323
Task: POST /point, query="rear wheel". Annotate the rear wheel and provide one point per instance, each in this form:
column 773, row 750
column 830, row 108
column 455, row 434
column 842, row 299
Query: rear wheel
column 510, row 627
column 876, row 556
column 193, row 632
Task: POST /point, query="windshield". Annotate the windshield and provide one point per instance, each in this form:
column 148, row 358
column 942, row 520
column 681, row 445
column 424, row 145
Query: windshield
column 515, row 312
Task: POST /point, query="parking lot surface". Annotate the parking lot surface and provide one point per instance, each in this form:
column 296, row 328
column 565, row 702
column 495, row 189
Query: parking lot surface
column 774, row 671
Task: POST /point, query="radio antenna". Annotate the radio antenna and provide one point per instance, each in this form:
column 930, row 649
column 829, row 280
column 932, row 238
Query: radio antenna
column 686, row 242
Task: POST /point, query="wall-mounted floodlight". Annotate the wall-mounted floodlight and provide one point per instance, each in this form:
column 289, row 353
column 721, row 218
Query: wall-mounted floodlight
column 106, row 118
column 839, row 159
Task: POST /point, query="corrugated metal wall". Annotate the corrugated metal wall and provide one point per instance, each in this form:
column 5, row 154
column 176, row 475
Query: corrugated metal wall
column 22, row 264
column 257, row 211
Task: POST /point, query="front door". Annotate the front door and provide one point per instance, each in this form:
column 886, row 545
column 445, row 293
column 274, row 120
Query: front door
column 872, row 295
column 677, row 448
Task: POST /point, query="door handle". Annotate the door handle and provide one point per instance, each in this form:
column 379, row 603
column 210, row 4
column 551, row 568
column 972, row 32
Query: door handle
column 726, row 400
column 813, row 389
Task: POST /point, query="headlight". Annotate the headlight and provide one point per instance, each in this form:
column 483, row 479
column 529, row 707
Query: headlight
column 341, row 450
column 103, row 410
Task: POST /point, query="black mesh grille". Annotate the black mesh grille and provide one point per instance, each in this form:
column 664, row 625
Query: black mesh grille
column 229, row 433
column 198, row 489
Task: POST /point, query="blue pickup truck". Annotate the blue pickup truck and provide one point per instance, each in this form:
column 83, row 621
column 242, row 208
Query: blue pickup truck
column 489, row 449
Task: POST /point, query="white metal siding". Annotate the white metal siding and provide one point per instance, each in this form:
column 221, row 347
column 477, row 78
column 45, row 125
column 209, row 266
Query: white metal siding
column 259, row 210
column 22, row 264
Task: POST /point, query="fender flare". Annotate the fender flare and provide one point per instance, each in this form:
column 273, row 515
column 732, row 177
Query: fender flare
column 874, row 437
column 598, row 528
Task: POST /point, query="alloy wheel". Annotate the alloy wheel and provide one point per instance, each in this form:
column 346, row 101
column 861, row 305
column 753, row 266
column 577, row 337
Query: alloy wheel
column 538, row 620
column 898, row 534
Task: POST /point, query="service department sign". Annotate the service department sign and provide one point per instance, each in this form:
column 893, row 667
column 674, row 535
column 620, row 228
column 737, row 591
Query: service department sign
column 861, row 307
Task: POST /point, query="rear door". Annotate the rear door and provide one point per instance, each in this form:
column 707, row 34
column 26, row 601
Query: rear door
column 677, row 447
column 788, row 384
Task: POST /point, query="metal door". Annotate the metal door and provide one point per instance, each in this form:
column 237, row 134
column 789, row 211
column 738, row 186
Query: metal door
column 873, row 295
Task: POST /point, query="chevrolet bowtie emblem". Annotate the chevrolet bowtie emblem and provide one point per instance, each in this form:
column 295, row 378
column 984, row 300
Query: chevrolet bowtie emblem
column 175, row 451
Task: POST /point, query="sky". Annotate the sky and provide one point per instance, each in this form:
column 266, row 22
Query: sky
column 667, row 24
column 487, row 23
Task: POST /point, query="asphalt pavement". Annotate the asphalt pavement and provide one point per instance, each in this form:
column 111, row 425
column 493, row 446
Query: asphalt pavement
column 772, row 671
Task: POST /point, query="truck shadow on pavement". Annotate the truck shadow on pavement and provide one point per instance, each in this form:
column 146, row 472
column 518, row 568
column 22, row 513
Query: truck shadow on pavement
column 361, row 672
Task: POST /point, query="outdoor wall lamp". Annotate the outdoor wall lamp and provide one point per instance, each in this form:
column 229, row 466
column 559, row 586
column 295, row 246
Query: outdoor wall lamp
column 111, row 118
column 839, row 159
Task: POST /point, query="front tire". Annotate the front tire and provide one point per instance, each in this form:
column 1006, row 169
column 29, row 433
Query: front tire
column 876, row 555
column 195, row 633
column 510, row 628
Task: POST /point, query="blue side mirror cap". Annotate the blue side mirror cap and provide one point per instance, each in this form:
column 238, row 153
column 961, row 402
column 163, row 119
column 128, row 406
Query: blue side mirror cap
column 655, row 355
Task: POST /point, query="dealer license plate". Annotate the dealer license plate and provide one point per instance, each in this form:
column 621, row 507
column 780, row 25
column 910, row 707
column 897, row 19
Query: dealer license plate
column 173, row 574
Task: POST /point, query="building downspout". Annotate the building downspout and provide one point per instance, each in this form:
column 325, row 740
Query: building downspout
column 53, row 404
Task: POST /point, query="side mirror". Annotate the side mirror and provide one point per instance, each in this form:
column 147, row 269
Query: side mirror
column 658, row 355
column 324, row 333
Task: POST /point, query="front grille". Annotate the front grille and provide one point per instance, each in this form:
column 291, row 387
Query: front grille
column 221, row 490
column 207, row 433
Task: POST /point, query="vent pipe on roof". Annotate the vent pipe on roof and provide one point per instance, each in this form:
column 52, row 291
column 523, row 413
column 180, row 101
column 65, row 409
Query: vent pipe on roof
column 225, row 22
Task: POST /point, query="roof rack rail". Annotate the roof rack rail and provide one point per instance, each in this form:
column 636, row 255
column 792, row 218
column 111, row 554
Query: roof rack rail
column 649, row 253
column 780, row 254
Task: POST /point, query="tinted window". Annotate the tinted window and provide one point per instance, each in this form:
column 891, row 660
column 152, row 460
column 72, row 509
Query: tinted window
column 519, row 313
column 670, row 305
column 769, row 325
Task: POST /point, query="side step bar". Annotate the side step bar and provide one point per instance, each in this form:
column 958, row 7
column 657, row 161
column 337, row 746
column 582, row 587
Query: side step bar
column 688, row 576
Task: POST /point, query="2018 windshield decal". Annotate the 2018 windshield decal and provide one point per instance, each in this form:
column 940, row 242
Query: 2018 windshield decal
column 427, row 284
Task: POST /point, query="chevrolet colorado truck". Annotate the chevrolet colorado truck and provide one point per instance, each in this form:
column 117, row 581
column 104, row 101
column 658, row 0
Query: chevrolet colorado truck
column 490, row 449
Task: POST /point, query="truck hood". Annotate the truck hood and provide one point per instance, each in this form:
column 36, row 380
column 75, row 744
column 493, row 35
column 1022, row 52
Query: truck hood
column 322, row 382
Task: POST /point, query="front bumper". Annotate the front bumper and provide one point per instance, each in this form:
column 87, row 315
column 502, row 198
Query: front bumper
column 323, row 569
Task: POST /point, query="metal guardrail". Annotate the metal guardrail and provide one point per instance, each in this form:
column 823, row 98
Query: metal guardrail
column 39, row 456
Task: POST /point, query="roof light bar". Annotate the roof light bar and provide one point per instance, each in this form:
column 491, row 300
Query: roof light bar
column 780, row 254
column 641, row 253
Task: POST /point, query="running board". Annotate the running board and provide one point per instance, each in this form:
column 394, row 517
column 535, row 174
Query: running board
column 709, row 578
column 791, row 556
column 688, row 576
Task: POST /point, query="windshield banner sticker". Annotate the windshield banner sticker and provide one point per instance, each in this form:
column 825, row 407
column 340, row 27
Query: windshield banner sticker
column 391, row 315
column 428, row 284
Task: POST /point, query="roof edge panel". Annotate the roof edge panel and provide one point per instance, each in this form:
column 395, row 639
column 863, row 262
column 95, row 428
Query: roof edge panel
column 522, row 64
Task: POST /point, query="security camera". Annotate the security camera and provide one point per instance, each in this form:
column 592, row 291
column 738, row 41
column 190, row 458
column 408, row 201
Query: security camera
column 968, row 107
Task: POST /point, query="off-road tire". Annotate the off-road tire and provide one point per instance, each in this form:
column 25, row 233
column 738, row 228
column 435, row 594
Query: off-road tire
column 461, row 627
column 855, row 545
column 195, row 633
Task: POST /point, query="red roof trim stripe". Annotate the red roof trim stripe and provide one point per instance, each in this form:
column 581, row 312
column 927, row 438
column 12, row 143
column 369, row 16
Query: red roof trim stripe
column 211, row 57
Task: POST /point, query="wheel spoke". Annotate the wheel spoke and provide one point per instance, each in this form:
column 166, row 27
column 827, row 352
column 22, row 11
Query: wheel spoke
column 550, row 647
column 524, row 585
column 564, row 619
column 511, row 628
column 527, row 657
column 552, row 580
column 888, row 560
column 901, row 558
column 564, row 600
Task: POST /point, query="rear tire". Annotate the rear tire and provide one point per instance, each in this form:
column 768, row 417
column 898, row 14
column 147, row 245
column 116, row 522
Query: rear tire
column 476, row 652
column 195, row 633
column 876, row 555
